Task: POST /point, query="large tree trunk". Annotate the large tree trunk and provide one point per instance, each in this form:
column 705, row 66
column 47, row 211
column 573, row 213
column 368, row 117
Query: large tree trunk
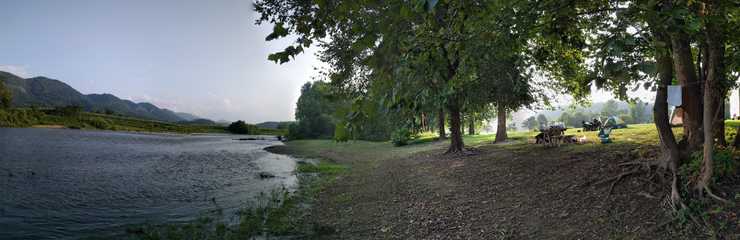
column 456, row 142
column 719, row 119
column 471, row 125
column 501, row 128
column 691, row 89
column 441, row 124
column 422, row 122
column 715, row 75
column 708, row 162
column 670, row 150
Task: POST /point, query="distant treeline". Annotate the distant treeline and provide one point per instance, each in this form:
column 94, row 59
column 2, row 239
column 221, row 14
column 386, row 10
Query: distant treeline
column 322, row 114
column 73, row 117
column 635, row 113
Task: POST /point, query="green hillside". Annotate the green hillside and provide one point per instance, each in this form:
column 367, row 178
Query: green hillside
column 69, row 117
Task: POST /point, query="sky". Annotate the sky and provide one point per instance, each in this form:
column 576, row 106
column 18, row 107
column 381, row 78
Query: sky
column 202, row 57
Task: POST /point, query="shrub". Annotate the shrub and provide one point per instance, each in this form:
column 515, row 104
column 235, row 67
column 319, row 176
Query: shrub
column 724, row 164
column 401, row 137
column 340, row 133
column 19, row 117
column 241, row 127
column 99, row 123
column 6, row 96
column 68, row 110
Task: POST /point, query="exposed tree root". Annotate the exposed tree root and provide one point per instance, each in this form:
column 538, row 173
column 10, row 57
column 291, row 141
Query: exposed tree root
column 462, row 152
column 619, row 178
column 715, row 197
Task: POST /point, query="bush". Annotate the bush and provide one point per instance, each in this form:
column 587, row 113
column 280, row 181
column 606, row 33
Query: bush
column 724, row 164
column 68, row 111
column 241, row 127
column 99, row 123
column 340, row 133
column 19, row 117
column 401, row 137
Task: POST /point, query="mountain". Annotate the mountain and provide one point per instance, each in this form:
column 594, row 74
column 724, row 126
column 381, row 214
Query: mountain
column 198, row 121
column 46, row 92
column 187, row 116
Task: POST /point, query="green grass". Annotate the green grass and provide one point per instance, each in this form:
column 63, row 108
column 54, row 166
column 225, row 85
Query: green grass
column 321, row 168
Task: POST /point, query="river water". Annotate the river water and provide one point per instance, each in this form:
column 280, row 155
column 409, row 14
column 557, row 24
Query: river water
column 58, row 183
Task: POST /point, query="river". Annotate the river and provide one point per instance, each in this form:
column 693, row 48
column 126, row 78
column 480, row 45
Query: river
column 67, row 184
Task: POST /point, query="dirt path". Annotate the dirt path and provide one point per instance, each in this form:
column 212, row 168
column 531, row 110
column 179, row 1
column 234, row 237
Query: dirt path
column 499, row 193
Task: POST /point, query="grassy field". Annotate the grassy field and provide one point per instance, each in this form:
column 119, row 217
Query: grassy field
column 375, row 169
column 98, row 121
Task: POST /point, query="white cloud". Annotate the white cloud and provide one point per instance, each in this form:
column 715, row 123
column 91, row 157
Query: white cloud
column 20, row 71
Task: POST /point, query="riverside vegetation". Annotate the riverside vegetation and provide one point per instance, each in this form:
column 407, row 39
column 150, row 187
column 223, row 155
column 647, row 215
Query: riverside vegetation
column 75, row 118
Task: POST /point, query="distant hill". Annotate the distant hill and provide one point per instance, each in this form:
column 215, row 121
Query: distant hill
column 46, row 92
column 273, row 125
column 187, row 116
column 198, row 121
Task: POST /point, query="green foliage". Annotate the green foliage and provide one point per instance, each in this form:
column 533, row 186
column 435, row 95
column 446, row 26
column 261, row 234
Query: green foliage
column 69, row 117
column 314, row 112
column 68, row 111
column 401, row 136
column 531, row 123
column 19, row 117
column 542, row 120
column 99, row 123
column 725, row 164
column 6, row 96
column 241, row 127
column 341, row 134
column 611, row 108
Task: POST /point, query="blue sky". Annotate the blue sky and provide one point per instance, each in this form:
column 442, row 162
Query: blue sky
column 202, row 57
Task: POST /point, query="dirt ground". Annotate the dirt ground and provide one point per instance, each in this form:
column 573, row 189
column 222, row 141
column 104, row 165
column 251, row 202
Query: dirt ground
column 515, row 191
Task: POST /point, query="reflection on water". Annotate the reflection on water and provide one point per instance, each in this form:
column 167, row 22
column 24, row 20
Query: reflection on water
column 57, row 183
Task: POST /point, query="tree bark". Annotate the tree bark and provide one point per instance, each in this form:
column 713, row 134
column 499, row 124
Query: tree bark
column 715, row 75
column 471, row 125
column 441, row 124
column 456, row 142
column 501, row 128
column 670, row 150
column 422, row 121
column 707, row 162
column 719, row 119
column 691, row 89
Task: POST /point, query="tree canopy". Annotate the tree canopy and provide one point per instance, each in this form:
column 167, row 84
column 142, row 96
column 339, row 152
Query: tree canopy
column 412, row 58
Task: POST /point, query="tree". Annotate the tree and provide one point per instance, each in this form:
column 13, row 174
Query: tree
column 5, row 95
column 531, row 123
column 566, row 118
column 579, row 117
column 542, row 120
column 637, row 42
column 637, row 111
column 423, row 66
column 313, row 113
column 610, row 108
column 241, row 127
